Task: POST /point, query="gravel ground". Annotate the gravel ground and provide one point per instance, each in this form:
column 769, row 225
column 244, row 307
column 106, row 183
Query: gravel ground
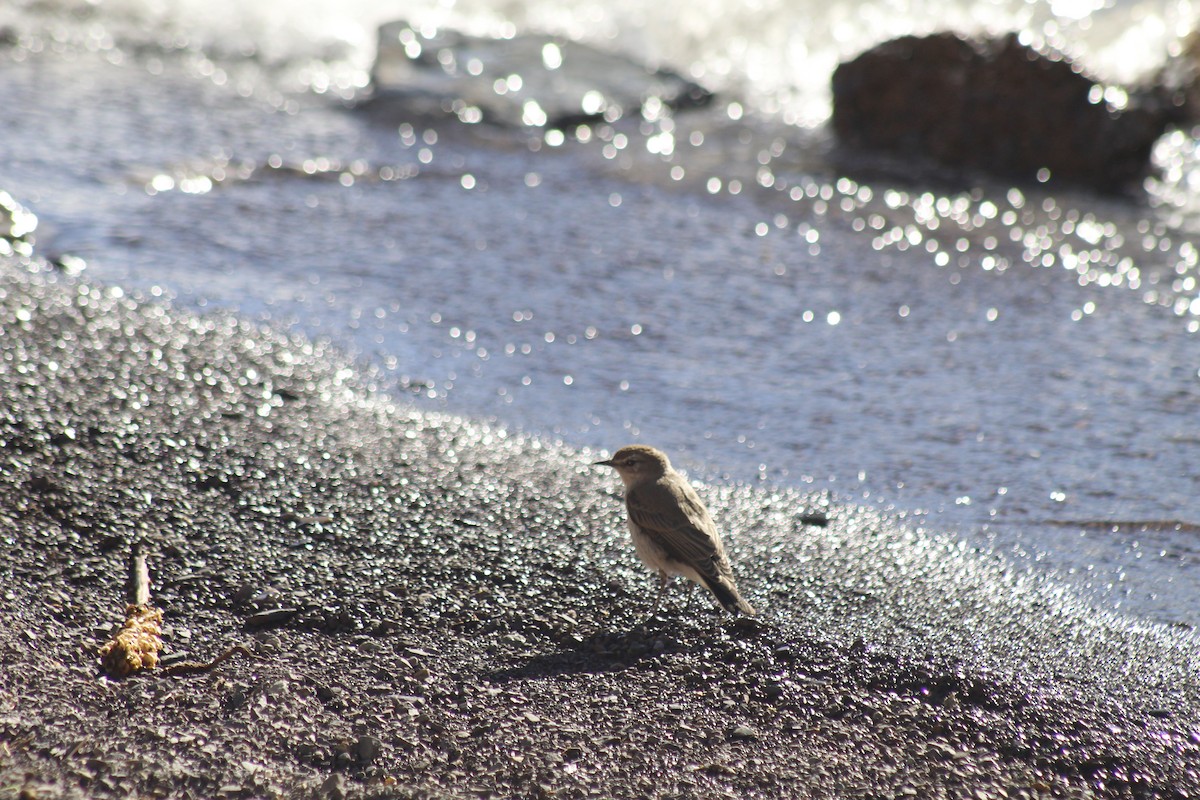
column 438, row 608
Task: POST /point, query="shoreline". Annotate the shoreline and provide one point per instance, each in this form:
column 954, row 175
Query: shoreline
column 465, row 605
column 882, row 407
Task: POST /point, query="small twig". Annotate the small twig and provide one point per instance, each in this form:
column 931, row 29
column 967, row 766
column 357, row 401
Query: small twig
column 137, row 592
column 200, row 667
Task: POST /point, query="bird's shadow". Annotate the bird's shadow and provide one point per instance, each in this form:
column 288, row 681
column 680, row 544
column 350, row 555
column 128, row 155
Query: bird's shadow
column 609, row 651
column 594, row 654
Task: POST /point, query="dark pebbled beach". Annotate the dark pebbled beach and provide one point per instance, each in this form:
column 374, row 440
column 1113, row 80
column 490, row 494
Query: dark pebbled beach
column 438, row 608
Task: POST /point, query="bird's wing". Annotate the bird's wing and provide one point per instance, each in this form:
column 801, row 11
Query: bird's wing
column 675, row 519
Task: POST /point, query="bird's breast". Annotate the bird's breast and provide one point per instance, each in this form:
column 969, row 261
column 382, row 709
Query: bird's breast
column 649, row 552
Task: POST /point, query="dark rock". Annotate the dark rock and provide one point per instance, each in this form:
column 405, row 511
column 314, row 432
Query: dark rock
column 272, row 618
column 43, row 484
column 817, row 519
column 994, row 105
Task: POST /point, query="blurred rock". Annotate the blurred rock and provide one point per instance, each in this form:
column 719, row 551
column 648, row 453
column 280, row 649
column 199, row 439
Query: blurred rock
column 1178, row 82
column 528, row 80
column 998, row 106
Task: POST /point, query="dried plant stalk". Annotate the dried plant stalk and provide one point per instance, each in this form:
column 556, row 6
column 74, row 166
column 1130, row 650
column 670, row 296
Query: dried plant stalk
column 137, row 645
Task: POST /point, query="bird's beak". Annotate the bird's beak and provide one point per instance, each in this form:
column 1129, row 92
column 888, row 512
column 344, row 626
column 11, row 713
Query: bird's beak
column 603, row 463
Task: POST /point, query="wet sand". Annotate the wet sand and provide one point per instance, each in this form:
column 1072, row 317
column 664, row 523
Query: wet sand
column 437, row 608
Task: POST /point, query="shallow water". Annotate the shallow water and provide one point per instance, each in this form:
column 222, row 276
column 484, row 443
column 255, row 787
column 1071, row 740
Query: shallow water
column 1015, row 367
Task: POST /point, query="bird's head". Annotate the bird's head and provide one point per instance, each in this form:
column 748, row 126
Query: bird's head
column 638, row 462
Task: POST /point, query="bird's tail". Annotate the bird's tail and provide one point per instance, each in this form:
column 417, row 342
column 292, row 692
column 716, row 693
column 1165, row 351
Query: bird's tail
column 727, row 595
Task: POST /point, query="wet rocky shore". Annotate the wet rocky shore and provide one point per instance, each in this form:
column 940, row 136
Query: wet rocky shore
column 437, row 608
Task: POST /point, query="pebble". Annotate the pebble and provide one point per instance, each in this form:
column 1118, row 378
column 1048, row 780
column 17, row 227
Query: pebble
column 368, row 748
column 743, row 733
column 334, row 787
column 272, row 618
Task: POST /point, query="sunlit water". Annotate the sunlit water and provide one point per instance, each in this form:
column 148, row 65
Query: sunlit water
column 1015, row 366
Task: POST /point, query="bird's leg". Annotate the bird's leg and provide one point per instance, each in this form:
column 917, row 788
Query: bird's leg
column 691, row 595
column 663, row 580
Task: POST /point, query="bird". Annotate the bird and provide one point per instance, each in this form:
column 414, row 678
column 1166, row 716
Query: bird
column 672, row 531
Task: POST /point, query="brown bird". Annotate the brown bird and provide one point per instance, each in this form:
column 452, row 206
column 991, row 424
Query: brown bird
column 672, row 531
